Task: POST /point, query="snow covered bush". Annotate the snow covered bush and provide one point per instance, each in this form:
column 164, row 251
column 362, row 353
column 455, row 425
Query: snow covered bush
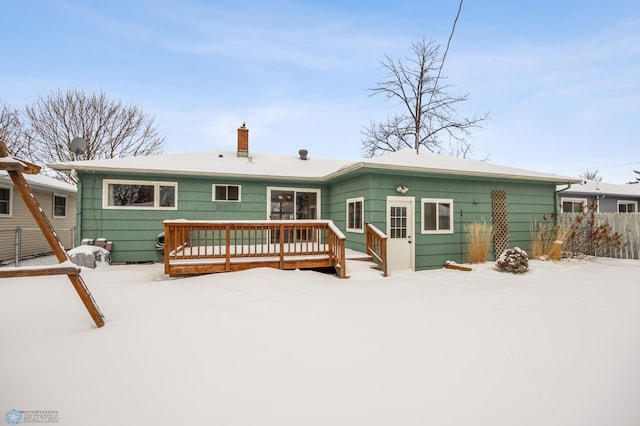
column 513, row 260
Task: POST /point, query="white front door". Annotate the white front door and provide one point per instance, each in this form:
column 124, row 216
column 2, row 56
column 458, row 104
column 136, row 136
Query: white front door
column 400, row 230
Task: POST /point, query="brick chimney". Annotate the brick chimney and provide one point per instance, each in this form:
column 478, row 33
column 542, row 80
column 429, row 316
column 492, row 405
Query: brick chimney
column 243, row 141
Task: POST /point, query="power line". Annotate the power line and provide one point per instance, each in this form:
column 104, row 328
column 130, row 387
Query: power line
column 611, row 166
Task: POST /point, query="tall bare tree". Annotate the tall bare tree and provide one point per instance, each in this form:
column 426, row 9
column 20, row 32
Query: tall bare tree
column 429, row 115
column 591, row 175
column 111, row 129
column 11, row 130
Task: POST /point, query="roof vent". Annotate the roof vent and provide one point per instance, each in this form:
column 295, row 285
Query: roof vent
column 303, row 154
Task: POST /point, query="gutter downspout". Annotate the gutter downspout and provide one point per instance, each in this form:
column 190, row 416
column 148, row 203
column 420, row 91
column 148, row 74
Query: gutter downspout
column 555, row 207
column 78, row 209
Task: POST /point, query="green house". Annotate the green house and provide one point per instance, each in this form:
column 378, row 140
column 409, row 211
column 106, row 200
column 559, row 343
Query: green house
column 422, row 202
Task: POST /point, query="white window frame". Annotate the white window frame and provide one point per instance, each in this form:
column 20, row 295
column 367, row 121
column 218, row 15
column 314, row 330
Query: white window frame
column 353, row 201
column 227, row 185
column 295, row 190
column 437, row 202
column 66, row 205
column 627, row 202
column 156, row 194
column 584, row 202
column 10, row 214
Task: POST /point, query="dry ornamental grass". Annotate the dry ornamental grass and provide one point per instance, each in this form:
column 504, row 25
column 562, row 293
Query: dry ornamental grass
column 478, row 241
column 547, row 240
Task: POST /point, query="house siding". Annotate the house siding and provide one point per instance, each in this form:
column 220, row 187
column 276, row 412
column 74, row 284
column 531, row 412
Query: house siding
column 526, row 202
column 133, row 232
column 341, row 191
column 32, row 240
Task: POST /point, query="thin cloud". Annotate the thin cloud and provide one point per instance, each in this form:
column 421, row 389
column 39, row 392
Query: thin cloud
column 256, row 34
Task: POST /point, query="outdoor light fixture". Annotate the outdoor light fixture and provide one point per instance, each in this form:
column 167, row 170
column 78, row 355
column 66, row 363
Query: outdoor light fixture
column 402, row 189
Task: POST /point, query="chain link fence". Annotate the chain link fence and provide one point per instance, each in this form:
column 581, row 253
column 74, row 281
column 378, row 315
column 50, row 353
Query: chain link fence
column 27, row 246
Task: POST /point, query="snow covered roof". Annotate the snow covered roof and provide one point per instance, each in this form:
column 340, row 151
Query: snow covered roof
column 597, row 187
column 215, row 163
column 227, row 163
column 408, row 160
column 40, row 182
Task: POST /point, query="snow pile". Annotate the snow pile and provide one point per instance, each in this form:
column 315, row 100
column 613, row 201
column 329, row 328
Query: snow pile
column 514, row 260
column 89, row 256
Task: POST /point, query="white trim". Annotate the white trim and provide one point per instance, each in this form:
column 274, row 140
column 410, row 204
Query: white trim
column 66, row 205
column 156, row 194
column 584, row 201
column 213, row 192
column 437, row 202
column 295, row 190
column 355, row 200
column 10, row 214
column 627, row 202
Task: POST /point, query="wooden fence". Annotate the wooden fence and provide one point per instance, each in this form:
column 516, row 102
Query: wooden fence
column 626, row 224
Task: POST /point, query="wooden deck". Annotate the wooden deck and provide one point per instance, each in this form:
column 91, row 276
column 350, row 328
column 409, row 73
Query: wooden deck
column 201, row 247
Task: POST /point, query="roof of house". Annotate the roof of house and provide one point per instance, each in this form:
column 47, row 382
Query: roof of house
column 40, row 182
column 227, row 163
column 408, row 160
column 214, row 163
column 592, row 187
column 8, row 162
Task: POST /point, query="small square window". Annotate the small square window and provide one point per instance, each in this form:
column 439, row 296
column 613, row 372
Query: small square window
column 627, row 206
column 226, row 192
column 574, row 205
column 437, row 216
column 59, row 206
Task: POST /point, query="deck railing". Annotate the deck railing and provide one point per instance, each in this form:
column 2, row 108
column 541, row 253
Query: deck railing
column 195, row 247
column 377, row 246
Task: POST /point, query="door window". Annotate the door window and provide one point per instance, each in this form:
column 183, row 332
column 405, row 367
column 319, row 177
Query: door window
column 398, row 222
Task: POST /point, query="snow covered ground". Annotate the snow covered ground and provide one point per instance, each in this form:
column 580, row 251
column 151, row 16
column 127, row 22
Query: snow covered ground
column 559, row 345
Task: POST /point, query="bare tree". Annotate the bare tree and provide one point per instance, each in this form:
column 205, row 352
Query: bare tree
column 11, row 131
column 429, row 109
column 591, row 175
column 637, row 172
column 111, row 129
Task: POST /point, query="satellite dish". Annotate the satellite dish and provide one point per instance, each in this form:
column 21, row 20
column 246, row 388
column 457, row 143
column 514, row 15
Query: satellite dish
column 78, row 146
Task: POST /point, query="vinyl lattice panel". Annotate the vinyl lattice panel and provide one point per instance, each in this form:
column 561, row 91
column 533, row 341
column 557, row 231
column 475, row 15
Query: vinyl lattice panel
column 500, row 222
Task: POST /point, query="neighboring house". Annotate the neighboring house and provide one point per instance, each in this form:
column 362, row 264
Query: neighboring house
column 58, row 201
column 608, row 197
column 422, row 202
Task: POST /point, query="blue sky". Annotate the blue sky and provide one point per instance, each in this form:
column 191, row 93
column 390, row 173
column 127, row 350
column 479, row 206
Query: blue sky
column 560, row 79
